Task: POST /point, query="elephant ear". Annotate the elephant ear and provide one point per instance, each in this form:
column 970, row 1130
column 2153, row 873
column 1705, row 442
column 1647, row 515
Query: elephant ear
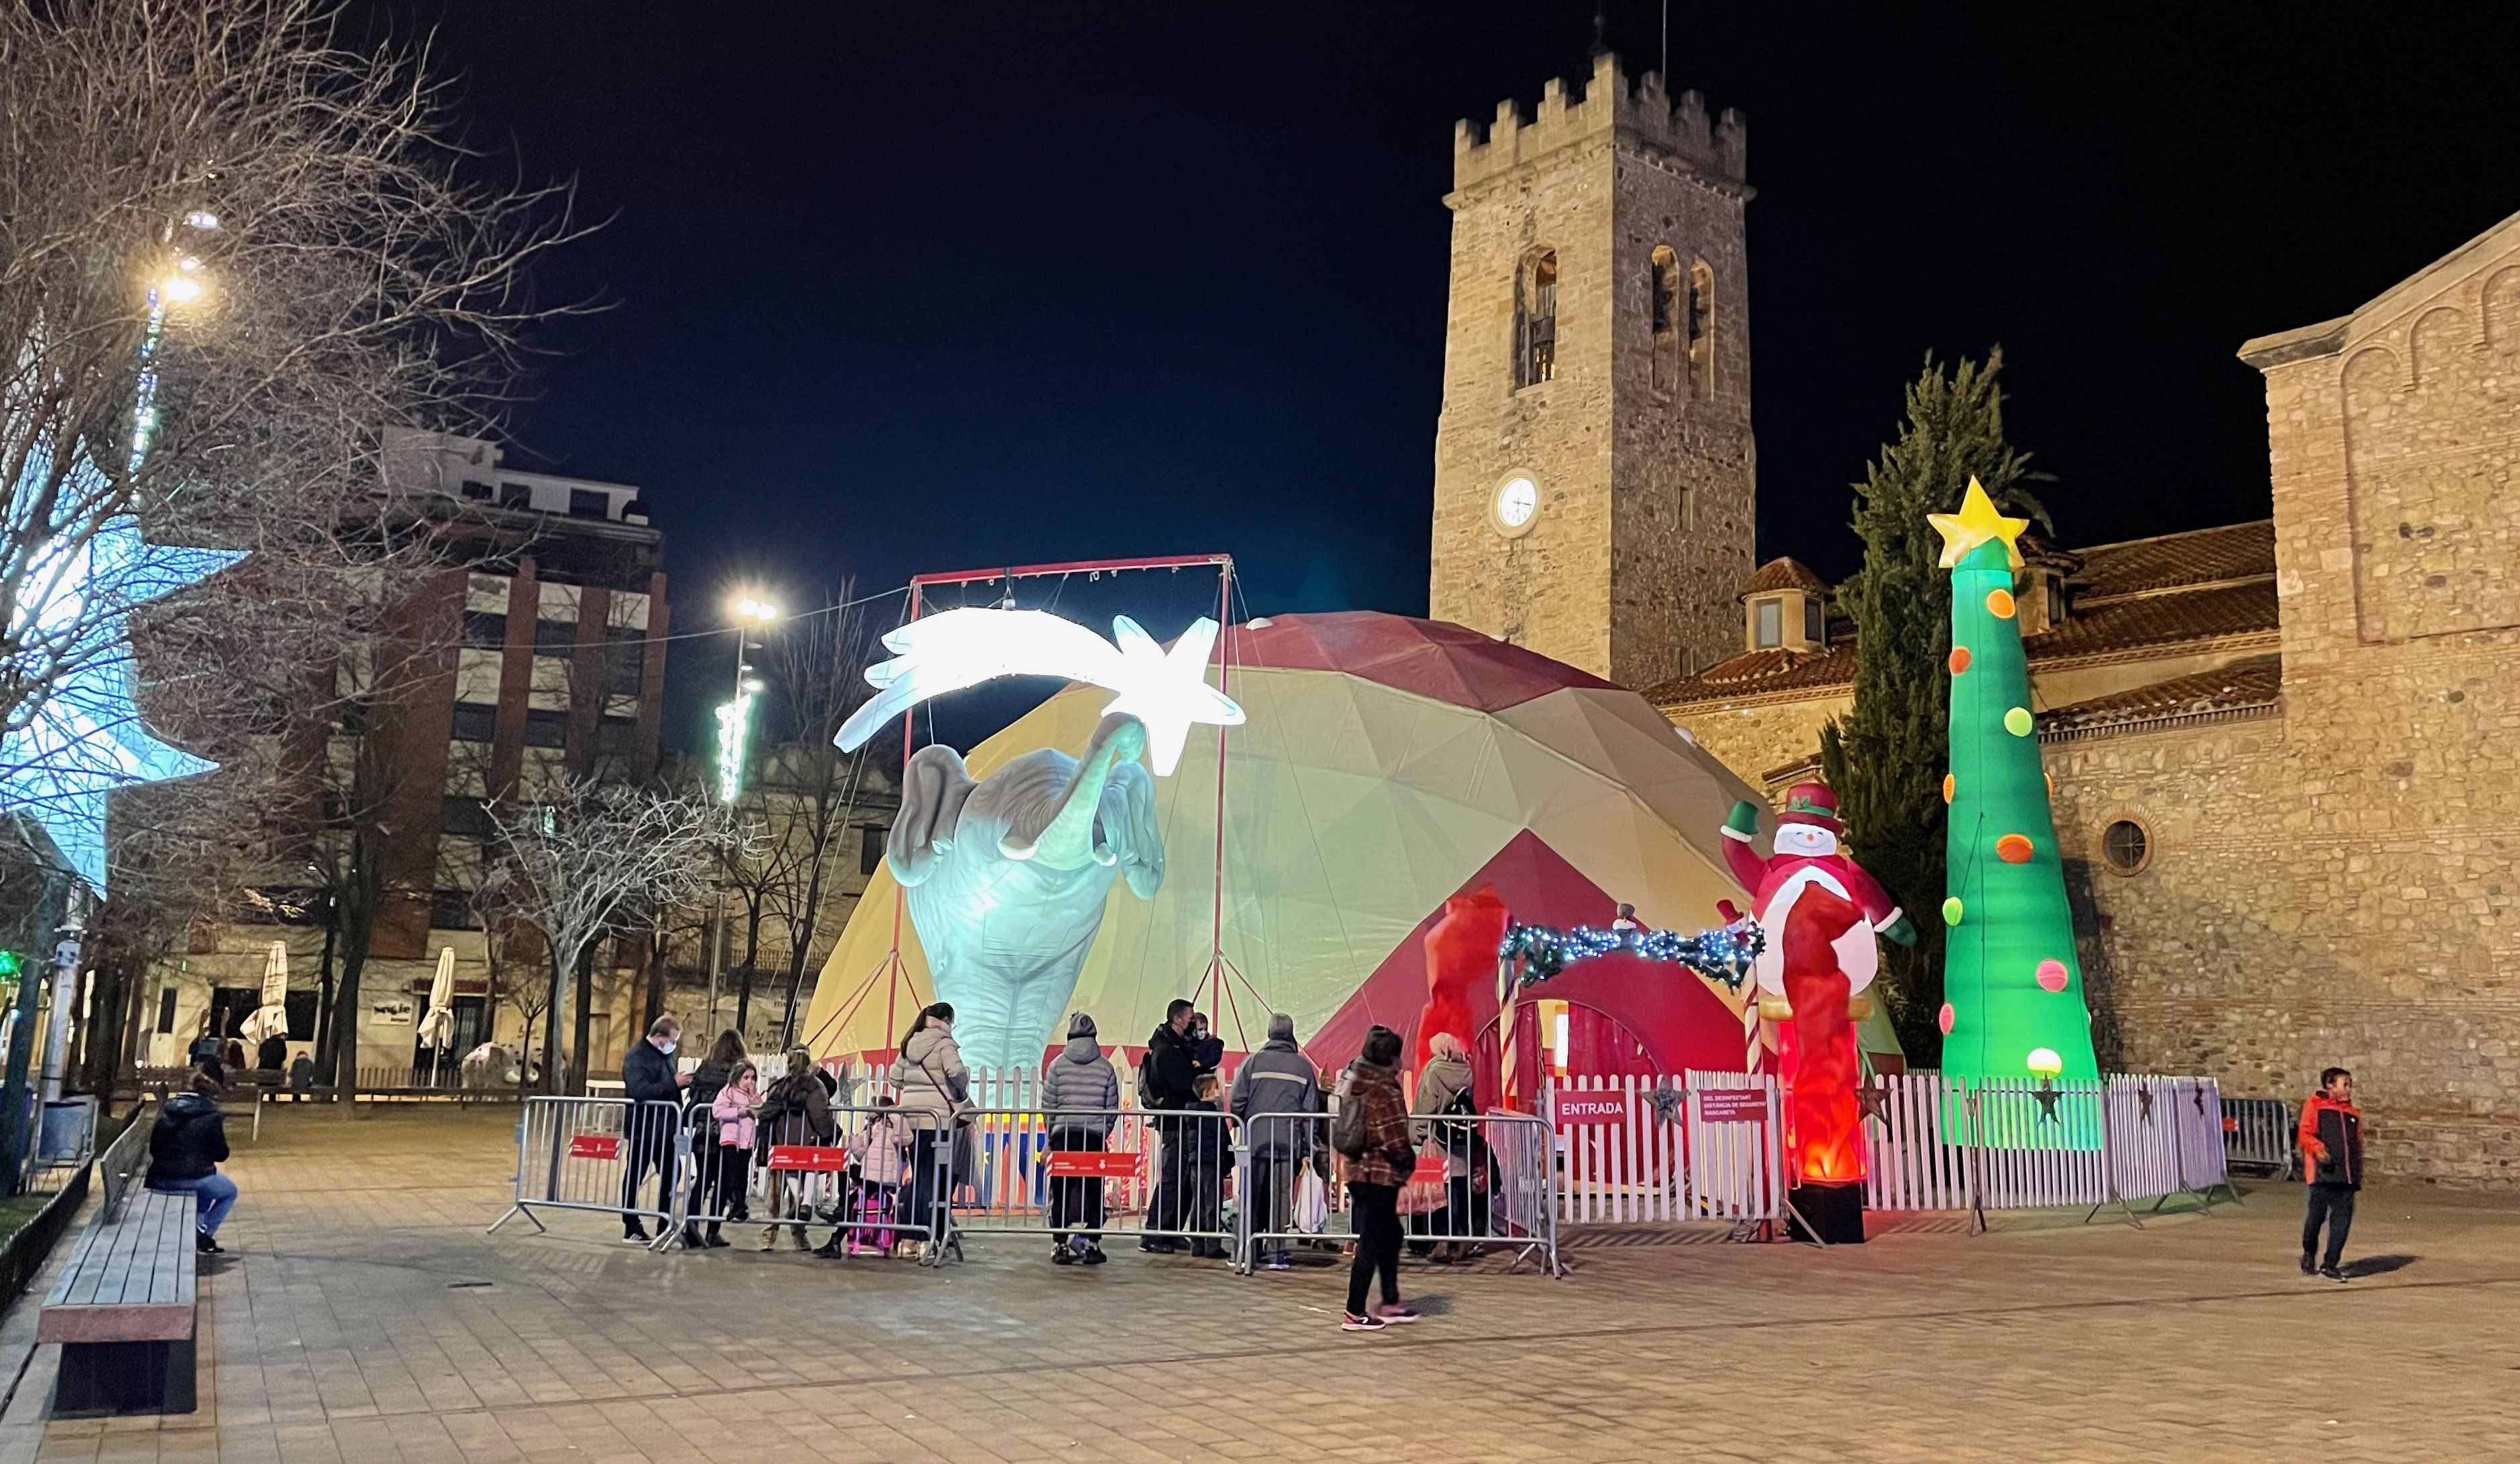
column 933, row 790
column 1129, row 835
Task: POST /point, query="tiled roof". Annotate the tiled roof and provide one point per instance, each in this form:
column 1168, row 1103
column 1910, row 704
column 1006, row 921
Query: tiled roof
column 2165, row 619
column 2176, row 590
column 2200, row 557
column 2253, row 682
column 1783, row 575
column 1761, row 672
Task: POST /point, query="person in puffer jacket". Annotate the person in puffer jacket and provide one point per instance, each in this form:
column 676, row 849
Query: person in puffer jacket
column 1080, row 1095
column 2331, row 1149
column 185, row 1147
column 733, row 1108
column 935, row 1092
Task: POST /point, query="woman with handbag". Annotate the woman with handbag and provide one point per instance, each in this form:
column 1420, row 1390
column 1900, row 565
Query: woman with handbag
column 935, row 1097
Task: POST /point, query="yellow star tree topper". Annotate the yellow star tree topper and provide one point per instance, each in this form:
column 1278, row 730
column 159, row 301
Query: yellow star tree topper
column 1977, row 522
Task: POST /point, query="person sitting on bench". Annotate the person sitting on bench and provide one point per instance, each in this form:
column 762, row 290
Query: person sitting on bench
column 183, row 1153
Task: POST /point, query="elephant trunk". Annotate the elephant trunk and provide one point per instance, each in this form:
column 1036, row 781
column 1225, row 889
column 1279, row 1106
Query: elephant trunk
column 1067, row 841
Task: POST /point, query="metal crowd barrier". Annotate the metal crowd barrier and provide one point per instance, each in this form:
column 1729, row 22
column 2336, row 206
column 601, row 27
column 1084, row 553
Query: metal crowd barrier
column 2258, row 1135
column 607, row 1155
column 878, row 1181
column 1079, row 1175
column 1482, row 1182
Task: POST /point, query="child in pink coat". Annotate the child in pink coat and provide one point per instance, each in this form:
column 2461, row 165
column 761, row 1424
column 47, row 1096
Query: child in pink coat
column 733, row 1111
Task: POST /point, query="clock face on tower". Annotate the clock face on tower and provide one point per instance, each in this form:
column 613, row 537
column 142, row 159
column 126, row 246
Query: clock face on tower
column 1516, row 504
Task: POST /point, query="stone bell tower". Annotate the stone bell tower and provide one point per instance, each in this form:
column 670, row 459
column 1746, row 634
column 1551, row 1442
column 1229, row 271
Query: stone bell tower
column 1594, row 465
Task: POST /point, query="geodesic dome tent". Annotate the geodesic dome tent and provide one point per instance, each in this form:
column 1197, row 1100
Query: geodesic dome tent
column 1388, row 764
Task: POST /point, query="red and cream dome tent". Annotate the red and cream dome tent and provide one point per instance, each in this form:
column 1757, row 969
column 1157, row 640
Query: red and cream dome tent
column 1386, row 765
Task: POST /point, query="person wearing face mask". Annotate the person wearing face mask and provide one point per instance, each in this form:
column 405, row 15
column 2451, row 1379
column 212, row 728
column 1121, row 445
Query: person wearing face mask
column 648, row 1076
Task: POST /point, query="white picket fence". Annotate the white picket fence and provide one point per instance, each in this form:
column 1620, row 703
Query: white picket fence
column 1643, row 1150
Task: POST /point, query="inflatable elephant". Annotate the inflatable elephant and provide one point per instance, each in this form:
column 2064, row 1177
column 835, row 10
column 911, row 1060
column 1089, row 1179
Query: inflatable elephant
column 1005, row 879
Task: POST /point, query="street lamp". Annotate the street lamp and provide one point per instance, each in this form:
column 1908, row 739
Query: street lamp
column 735, row 718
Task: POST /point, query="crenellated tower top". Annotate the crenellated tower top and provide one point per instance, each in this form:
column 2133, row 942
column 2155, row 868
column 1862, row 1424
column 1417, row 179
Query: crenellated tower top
column 1714, row 147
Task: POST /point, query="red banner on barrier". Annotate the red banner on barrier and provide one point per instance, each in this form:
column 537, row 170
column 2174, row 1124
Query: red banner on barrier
column 1094, row 1164
column 1732, row 1105
column 815, row 1159
column 1431, row 1169
column 1575, row 1109
column 594, row 1146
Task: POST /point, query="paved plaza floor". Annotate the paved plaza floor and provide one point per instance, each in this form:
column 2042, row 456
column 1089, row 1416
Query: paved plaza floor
column 364, row 1317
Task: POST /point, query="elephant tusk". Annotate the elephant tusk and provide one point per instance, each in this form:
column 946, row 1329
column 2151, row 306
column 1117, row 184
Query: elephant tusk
column 1104, row 856
column 1018, row 851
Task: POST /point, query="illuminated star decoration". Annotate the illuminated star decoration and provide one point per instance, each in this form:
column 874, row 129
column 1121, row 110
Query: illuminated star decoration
column 85, row 738
column 1166, row 690
column 1977, row 522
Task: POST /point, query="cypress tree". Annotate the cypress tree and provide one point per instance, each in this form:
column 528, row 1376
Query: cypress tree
column 1885, row 759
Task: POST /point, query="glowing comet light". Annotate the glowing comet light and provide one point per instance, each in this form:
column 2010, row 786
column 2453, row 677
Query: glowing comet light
column 734, row 730
column 1167, row 691
column 85, row 739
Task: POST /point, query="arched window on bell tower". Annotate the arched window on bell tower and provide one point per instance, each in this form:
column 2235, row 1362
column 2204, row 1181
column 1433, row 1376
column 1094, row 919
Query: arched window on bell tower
column 1535, row 320
column 1701, row 329
column 1669, row 308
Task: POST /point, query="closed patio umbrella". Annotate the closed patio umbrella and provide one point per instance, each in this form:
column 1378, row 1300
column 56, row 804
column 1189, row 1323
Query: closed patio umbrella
column 438, row 1025
column 271, row 1018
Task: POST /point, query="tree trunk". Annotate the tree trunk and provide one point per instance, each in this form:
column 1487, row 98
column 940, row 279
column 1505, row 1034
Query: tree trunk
column 554, row 1049
column 324, row 993
column 580, row 1060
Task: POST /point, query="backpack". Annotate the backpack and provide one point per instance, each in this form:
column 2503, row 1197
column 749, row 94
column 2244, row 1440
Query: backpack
column 1347, row 1125
column 1147, row 1079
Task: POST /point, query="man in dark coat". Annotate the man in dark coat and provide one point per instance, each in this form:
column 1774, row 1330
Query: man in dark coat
column 1172, row 1072
column 648, row 1076
column 185, row 1147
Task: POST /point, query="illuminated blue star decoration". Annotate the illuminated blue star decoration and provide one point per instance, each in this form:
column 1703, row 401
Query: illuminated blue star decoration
column 73, row 628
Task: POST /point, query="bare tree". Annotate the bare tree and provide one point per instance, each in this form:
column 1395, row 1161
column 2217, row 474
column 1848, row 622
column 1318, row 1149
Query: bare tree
column 810, row 789
column 234, row 253
column 596, row 862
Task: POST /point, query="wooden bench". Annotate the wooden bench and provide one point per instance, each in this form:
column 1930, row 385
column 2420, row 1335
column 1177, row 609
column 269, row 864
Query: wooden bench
column 123, row 1312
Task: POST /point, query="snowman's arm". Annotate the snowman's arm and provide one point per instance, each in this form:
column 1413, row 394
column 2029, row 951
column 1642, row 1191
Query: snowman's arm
column 1878, row 907
column 1744, row 861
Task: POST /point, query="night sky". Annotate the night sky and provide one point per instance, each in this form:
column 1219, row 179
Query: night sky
column 974, row 285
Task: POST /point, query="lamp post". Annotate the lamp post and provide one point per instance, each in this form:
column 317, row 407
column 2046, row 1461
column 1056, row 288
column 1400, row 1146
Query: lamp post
column 734, row 727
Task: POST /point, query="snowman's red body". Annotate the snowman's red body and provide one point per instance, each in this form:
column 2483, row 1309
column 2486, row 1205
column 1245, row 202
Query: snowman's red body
column 1820, row 911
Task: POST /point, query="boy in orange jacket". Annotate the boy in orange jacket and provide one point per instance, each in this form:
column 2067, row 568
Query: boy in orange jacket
column 2331, row 1148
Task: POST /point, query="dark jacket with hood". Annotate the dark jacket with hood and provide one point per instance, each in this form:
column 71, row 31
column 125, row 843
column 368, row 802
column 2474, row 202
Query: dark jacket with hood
column 2331, row 1141
column 1171, row 1068
column 1078, row 1081
column 190, row 1139
column 1278, row 1080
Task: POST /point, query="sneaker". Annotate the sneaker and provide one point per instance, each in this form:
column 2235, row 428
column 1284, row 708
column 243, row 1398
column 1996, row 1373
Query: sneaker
column 2309, row 1265
column 1396, row 1313
column 1351, row 1322
column 693, row 1242
column 204, row 1245
column 634, row 1237
column 1277, row 1262
column 1062, row 1256
column 831, row 1250
column 715, row 1241
column 1159, row 1247
column 2329, row 1271
column 1093, row 1255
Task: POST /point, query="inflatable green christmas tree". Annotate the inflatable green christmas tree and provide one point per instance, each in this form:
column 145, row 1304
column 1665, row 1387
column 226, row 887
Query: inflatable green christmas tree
column 2012, row 987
